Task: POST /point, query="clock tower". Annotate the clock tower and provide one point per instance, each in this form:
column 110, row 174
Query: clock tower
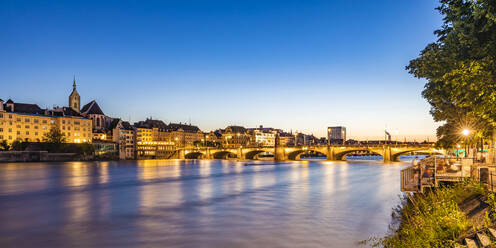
column 74, row 101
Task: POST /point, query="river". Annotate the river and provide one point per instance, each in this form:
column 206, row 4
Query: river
column 190, row 203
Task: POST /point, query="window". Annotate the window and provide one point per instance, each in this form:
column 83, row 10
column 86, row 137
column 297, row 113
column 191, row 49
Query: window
column 10, row 116
column 26, row 120
column 10, row 137
column 18, row 126
column 36, row 120
column 44, row 121
column 1, row 129
column 68, row 128
column 19, row 119
column 63, row 121
column 27, row 132
column 52, row 121
column 35, row 127
column 35, row 133
column 10, row 130
column 27, row 126
column 18, row 132
column 76, row 122
column 1, row 137
column 1, row 115
column 44, row 127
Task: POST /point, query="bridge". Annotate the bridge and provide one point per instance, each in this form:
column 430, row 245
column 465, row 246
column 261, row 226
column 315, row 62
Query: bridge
column 389, row 152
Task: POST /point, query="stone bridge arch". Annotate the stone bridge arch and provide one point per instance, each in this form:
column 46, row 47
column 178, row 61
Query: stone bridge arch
column 254, row 153
column 296, row 154
column 396, row 155
column 195, row 155
column 224, row 154
column 341, row 154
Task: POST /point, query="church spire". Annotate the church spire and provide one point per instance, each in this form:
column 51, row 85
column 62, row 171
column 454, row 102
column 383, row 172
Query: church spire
column 74, row 99
column 74, row 83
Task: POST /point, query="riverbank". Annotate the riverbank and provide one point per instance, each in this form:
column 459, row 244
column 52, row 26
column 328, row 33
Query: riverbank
column 442, row 217
column 45, row 156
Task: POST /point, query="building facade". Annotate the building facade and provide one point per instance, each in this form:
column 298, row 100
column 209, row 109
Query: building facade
column 236, row 136
column 153, row 140
column 124, row 135
column 263, row 136
column 184, row 135
column 336, row 135
column 28, row 122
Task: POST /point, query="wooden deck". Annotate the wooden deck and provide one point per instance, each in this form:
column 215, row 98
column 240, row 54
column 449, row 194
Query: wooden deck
column 433, row 170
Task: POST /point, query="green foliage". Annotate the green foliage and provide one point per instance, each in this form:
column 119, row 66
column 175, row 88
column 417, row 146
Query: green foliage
column 86, row 149
column 206, row 144
column 460, row 66
column 432, row 219
column 491, row 201
column 19, row 145
column 4, row 146
column 54, row 136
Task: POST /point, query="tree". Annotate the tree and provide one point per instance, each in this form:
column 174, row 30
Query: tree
column 460, row 68
column 54, row 136
column 4, row 146
column 19, row 145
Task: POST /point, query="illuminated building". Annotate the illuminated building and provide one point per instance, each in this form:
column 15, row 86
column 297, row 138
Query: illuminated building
column 153, row 140
column 28, row 122
column 124, row 135
column 184, row 135
column 236, row 136
column 286, row 139
column 336, row 135
column 264, row 136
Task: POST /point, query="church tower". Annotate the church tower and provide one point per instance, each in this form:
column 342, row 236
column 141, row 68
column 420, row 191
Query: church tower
column 74, row 102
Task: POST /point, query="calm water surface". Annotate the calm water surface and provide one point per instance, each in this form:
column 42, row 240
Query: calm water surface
column 196, row 203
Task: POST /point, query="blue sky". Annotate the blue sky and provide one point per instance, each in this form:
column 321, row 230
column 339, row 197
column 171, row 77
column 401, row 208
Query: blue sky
column 295, row 65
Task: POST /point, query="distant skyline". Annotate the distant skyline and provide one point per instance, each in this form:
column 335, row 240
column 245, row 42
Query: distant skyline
column 294, row 65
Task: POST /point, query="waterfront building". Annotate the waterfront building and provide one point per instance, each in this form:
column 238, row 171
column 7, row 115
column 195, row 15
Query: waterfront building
column 264, row 136
column 286, row 139
column 302, row 139
column 336, row 135
column 124, row 135
column 236, row 136
column 214, row 137
column 153, row 139
column 184, row 135
column 29, row 122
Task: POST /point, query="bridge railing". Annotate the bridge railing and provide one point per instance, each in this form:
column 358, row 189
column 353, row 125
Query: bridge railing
column 432, row 170
column 410, row 179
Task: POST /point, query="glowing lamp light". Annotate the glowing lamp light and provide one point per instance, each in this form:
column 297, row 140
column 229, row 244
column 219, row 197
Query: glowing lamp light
column 465, row 132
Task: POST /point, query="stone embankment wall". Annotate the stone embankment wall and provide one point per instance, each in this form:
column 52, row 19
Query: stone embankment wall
column 36, row 156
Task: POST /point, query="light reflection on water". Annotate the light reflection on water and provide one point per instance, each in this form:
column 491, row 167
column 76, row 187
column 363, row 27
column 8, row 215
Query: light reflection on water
column 178, row 203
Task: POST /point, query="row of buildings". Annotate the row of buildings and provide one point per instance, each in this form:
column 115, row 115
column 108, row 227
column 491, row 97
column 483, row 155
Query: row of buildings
column 144, row 139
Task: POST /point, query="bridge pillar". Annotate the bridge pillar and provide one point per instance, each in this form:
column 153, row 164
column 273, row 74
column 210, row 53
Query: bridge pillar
column 208, row 154
column 387, row 156
column 331, row 155
column 240, row 153
column 279, row 154
column 180, row 154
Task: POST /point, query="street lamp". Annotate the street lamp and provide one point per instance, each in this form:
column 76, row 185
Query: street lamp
column 466, row 132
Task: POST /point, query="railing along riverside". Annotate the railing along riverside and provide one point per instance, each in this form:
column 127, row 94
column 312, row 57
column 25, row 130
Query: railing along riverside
column 431, row 170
